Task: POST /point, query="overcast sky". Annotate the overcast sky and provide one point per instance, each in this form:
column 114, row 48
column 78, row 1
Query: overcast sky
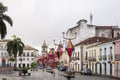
column 38, row 20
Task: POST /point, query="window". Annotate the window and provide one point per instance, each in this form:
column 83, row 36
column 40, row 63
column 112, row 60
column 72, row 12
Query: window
column 23, row 59
column 1, row 53
column 27, row 53
column 28, row 65
column 32, row 54
column 23, row 53
column 109, row 35
column 32, row 59
column 100, row 51
column 5, row 53
column 20, row 59
column 1, row 46
column 104, row 51
column 102, row 35
column 27, row 59
column 110, row 50
column 19, row 65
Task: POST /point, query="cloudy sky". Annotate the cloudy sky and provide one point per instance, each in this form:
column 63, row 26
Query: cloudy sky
column 39, row 20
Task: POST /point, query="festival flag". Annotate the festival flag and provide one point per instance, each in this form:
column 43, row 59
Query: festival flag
column 69, row 48
column 51, row 54
column 59, row 51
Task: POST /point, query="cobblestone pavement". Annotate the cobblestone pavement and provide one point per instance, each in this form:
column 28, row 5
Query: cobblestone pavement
column 40, row 75
column 91, row 77
column 43, row 75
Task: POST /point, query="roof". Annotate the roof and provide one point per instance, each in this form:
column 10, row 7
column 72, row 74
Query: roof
column 5, row 40
column 92, row 40
column 27, row 47
column 111, row 39
column 105, row 27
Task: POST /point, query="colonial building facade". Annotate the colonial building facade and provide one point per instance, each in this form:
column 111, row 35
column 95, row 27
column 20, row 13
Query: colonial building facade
column 117, row 58
column 84, row 32
column 29, row 55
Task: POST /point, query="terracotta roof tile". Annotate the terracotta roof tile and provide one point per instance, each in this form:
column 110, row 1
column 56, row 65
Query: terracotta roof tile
column 92, row 40
column 111, row 39
column 103, row 27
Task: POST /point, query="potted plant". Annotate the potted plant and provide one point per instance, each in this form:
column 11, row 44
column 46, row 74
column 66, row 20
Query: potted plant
column 24, row 70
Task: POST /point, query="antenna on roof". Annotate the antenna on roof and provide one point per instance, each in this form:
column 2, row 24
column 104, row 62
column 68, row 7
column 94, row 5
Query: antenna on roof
column 91, row 18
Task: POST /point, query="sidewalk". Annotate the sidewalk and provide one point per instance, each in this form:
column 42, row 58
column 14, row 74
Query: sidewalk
column 10, row 76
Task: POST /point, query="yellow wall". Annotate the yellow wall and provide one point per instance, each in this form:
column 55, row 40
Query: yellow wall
column 91, row 52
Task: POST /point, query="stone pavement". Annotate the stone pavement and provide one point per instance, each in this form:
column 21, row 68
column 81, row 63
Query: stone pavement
column 43, row 75
column 10, row 76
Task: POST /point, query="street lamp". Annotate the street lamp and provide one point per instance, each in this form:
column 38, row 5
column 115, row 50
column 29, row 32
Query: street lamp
column 72, row 38
column 69, row 49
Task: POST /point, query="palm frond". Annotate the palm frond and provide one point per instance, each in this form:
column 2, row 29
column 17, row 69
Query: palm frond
column 2, row 7
column 3, row 30
column 7, row 19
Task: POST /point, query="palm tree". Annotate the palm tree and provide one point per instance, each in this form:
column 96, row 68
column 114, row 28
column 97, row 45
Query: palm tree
column 4, row 17
column 15, row 47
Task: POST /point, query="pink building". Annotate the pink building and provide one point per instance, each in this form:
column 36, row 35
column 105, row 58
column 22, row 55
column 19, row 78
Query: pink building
column 117, row 58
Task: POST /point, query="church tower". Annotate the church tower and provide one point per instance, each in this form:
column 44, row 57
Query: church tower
column 44, row 48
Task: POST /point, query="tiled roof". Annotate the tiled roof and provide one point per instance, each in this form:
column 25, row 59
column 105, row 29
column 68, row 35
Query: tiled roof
column 92, row 40
column 111, row 39
column 27, row 47
column 104, row 27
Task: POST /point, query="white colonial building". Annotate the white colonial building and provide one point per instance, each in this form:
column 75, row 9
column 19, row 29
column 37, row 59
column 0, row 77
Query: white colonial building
column 29, row 55
column 85, row 31
column 3, row 52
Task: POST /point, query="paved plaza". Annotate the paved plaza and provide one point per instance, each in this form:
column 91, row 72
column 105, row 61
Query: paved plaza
column 43, row 75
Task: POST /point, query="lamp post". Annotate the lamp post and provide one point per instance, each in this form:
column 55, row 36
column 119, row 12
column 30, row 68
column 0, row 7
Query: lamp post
column 72, row 38
column 69, row 49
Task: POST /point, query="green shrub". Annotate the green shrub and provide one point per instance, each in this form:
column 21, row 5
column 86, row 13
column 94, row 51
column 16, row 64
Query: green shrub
column 24, row 70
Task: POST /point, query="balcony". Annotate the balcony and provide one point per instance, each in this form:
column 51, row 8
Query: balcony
column 117, row 57
column 76, row 58
column 92, row 58
column 104, row 57
column 110, row 57
column 89, row 58
column 100, row 57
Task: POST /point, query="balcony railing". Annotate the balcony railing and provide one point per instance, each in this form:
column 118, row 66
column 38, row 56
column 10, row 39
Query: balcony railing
column 100, row 57
column 110, row 57
column 76, row 58
column 89, row 58
column 104, row 57
column 117, row 57
column 92, row 58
